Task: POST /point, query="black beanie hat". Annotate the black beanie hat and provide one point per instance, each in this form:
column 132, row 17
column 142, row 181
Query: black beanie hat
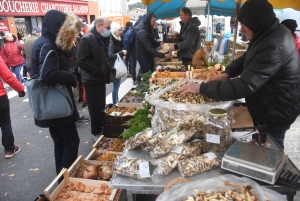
column 257, row 15
column 291, row 24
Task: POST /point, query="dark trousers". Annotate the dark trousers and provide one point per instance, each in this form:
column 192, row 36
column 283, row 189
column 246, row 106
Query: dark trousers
column 146, row 65
column 133, row 67
column 127, row 63
column 96, row 100
column 66, row 142
column 186, row 61
column 277, row 131
column 5, row 124
column 25, row 70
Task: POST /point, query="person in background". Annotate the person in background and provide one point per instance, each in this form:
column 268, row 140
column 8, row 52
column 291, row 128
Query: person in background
column 36, row 32
column 93, row 61
column 1, row 39
column 10, row 149
column 267, row 75
column 146, row 45
column 58, row 33
column 131, row 52
column 85, row 27
column 155, row 32
column 218, row 27
column 291, row 25
column 232, row 24
column 127, row 63
column 11, row 53
column 190, row 36
column 115, row 47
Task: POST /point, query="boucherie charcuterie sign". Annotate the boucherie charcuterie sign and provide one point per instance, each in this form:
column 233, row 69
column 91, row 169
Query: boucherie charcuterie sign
column 31, row 7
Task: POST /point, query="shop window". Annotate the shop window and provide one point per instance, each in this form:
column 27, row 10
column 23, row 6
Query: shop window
column 22, row 27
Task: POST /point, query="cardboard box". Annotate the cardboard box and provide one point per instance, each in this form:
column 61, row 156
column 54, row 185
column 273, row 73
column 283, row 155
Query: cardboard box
column 100, row 139
column 242, row 117
column 93, row 183
column 137, row 105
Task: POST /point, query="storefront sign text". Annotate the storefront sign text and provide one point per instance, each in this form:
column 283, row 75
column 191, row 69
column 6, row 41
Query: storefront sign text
column 28, row 7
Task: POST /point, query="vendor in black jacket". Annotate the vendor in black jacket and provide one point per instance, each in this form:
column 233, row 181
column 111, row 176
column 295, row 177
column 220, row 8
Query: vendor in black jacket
column 269, row 72
column 146, row 45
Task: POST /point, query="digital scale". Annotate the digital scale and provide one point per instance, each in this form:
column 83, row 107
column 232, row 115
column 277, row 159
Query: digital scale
column 254, row 161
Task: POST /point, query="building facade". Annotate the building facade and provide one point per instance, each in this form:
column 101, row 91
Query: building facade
column 19, row 16
column 135, row 13
column 113, row 7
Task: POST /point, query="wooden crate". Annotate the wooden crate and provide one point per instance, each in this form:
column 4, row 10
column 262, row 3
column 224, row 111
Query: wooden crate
column 80, row 160
column 95, row 151
column 100, row 139
column 94, row 183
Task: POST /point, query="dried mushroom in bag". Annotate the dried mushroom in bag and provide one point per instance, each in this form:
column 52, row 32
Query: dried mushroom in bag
column 217, row 130
column 131, row 167
column 155, row 140
column 167, row 163
column 196, row 164
column 175, row 138
column 139, row 139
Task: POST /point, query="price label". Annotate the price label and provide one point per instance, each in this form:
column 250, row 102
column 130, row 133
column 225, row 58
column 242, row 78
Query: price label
column 210, row 155
column 144, row 170
column 177, row 149
column 213, row 138
column 115, row 113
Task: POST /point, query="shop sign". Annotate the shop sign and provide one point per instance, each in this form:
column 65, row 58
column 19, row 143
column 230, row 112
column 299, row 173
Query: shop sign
column 37, row 8
column 4, row 26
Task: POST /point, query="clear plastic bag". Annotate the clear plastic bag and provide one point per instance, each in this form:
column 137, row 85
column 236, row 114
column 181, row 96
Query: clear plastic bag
column 166, row 164
column 156, row 139
column 175, row 138
column 193, row 165
column 131, row 167
column 139, row 139
column 180, row 192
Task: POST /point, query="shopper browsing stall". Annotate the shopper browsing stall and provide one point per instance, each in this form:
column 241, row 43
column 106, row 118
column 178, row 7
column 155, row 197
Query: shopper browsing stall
column 269, row 72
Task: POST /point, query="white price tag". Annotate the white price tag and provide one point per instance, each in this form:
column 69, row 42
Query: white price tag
column 177, row 149
column 115, row 113
column 210, row 155
column 213, row 138
column 144, row 170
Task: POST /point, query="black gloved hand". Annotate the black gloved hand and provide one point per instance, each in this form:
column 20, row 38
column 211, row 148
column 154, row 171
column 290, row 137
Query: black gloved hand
column 22, row 94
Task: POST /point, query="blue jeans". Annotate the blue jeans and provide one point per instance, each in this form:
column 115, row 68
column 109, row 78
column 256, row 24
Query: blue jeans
column 115, row 92
column 17, row 71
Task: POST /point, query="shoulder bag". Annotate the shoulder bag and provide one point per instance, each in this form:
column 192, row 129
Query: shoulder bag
column 48, row 101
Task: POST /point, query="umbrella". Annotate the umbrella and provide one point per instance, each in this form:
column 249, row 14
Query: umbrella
column 164, row 8
column 280, row 4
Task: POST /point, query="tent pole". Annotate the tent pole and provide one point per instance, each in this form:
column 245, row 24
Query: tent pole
column 208, row 13
column 236, row 29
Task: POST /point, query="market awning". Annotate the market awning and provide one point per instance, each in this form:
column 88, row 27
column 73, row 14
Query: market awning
column 164, row 8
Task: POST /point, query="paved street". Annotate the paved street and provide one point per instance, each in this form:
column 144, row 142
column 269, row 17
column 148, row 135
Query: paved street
column 28, row 173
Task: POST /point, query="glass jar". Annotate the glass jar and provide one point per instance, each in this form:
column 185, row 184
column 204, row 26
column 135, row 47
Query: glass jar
column 217, row 131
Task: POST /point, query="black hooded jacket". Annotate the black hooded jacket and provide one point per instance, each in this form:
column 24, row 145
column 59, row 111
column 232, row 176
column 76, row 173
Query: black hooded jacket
column 269, row 72
column 189, row 37
column 52, row 25
column 92, row 59
column 145, row 43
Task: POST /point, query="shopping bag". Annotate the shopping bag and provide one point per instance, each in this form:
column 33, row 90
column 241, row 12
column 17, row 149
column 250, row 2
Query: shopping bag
column 120, row 68
column 48, row 101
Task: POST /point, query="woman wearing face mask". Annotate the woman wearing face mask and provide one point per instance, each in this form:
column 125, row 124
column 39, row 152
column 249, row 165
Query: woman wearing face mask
column 115, row 47
column 12, row 56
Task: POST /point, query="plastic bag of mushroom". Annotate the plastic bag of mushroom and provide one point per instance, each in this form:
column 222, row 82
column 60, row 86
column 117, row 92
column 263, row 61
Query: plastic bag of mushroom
column 227, row 186
column 175, row 138
column 193, row 165
column 156, row 139
column 139, row 139
column 166, row 164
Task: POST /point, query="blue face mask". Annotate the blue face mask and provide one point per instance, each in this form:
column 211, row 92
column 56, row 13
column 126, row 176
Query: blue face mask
column 106, row 33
